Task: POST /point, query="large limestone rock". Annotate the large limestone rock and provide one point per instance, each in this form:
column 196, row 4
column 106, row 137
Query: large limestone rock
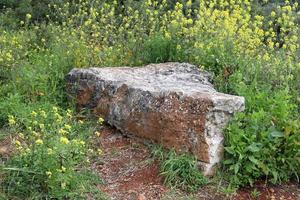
column 172, row 104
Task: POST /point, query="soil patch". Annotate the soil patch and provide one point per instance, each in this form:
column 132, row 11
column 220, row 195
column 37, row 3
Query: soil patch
column 130, row 173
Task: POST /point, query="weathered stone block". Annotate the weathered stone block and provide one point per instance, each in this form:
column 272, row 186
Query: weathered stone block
column 172, row 104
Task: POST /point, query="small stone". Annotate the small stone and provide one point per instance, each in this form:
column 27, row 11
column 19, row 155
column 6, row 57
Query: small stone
column 4, row 150
column 272, row 197
column 141, row 197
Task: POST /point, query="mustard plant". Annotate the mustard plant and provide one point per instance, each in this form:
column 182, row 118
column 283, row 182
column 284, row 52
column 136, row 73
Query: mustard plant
column 50, row 152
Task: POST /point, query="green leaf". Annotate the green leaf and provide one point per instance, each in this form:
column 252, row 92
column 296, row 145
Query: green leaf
column 236, row 168
column 253, row 160
column 227, row 162
column 275, row 175
column 264, row 168
column 254, row 147
column 229, row 150
column 20, row 170
column 276, row 134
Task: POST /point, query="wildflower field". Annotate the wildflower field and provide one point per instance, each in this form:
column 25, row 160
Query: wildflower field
column 250, row 47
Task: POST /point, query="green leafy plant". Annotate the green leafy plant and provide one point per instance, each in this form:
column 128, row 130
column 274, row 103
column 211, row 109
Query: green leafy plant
column 255, row 193
column 159, row 49
column 179, row 170
column 50, row 150
column 264, row 141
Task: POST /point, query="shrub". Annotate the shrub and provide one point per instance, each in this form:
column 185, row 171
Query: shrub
column 159, row 49
column 264, row 141
column 50, row 149
column 38, row 9
column 33, row 65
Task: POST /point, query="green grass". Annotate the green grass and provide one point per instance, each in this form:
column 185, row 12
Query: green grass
column 179, row 170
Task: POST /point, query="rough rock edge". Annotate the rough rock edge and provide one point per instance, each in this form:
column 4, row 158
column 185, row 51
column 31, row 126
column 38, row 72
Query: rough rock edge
column 216, row 120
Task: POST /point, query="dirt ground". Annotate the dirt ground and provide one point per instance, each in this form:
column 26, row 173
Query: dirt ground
column 130, row 173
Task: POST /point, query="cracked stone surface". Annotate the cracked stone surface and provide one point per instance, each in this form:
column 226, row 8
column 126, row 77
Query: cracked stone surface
column 172, row 104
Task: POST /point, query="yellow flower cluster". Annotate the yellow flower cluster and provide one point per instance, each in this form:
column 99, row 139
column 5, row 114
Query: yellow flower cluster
column 11, row 120
column 102, row 29
column 64, row 140
column 60, row 141
column 39, row 142
column 100, row 120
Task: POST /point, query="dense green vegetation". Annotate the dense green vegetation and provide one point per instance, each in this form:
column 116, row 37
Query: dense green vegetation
column 50, row 150
column 251, row 48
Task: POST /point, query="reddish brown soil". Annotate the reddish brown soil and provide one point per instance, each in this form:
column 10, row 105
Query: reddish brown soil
column 289, row 191
column 130, row 173
column 127, row 168
column 6, row 148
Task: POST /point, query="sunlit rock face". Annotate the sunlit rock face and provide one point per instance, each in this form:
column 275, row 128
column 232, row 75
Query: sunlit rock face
column 172, row 104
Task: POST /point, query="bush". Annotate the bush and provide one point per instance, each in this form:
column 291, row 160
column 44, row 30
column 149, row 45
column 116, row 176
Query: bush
column 50, row 154
column 33, row 66
column 264, row 141
column 40, row 10
column 159, row 49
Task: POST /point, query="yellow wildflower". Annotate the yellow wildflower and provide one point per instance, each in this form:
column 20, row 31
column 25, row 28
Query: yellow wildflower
column 189, row 3
column 100, row 152
column 59, row 120
column 17, row 143
column 97, row 133
column 68, row 127
column 21, row 135
column 69, row 113
column 63, row 185
column 28, row 16
column 49, row 151
column 100, row 120
column 55, row 109
column 34, row 114
column 34, row 133
column 273, row 14
column 11, row 120
column 49, row 174
column 8, row 56
column 189, row 21
column 63, row 169
column 90, row 151
column 43, row 114
column 62, row 131
column 64, row 140
column 39, row 141
column 167, row 35
column 42, row 126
